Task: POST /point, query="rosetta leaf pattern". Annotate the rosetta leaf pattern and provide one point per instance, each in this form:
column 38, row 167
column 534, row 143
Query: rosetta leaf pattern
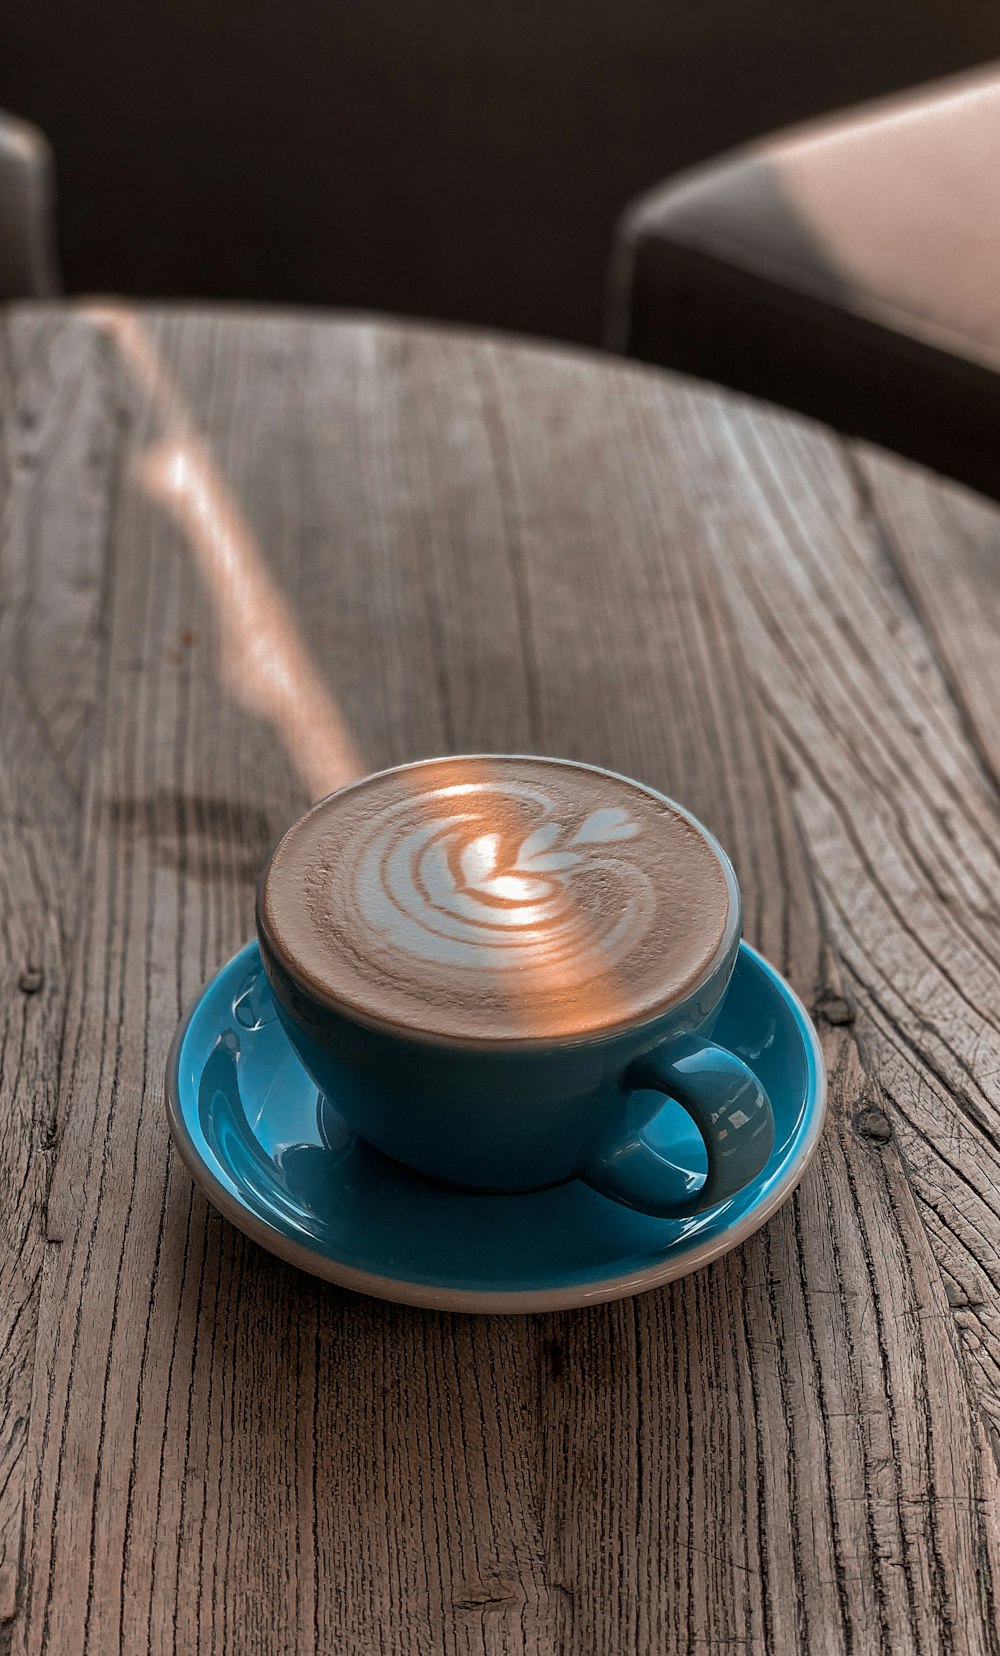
column 540, row 853
column 608, row 823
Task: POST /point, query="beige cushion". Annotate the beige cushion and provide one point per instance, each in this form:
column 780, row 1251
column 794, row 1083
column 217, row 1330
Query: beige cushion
column 876, row 233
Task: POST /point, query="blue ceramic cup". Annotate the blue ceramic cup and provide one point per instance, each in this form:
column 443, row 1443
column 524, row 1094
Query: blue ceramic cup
column 510, row 1114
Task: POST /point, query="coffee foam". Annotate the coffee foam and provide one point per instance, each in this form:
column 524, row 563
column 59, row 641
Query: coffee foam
column 496, row 898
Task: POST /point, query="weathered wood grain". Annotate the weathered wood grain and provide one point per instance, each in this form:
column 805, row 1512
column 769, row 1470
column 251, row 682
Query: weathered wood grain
column 944, row 543
column 493, row 547
column 898, row 812
column 56, row 464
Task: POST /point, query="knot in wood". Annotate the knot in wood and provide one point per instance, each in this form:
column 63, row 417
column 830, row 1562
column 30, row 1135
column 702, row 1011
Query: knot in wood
column 874, row 1124
column 833, row 1009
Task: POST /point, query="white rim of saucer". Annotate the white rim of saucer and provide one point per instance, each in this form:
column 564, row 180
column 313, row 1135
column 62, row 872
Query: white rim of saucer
column 495, row 1302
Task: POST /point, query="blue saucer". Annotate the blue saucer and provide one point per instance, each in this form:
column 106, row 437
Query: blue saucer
column 274, row 1156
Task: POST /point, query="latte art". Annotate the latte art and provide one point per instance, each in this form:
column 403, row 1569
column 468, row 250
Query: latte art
column 452, row 890
column 496, row 897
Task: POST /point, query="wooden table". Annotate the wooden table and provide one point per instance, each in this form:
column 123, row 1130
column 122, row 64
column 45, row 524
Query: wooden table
column 242, row 554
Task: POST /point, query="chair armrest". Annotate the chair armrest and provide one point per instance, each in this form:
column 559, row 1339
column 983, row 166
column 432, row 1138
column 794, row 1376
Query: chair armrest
column 28, row 266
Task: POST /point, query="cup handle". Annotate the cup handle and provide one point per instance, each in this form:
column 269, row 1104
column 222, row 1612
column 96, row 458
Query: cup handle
column 731, row 1111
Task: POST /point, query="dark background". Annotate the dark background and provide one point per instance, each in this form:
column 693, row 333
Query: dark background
column 448, row 158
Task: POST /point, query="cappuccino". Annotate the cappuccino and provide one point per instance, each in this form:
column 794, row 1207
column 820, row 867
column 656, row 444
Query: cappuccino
column 490, row 898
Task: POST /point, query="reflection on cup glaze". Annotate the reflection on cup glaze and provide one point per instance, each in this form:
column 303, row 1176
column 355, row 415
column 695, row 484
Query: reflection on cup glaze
column 454, row 890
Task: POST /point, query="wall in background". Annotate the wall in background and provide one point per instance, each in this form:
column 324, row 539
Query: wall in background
column 425, row 156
